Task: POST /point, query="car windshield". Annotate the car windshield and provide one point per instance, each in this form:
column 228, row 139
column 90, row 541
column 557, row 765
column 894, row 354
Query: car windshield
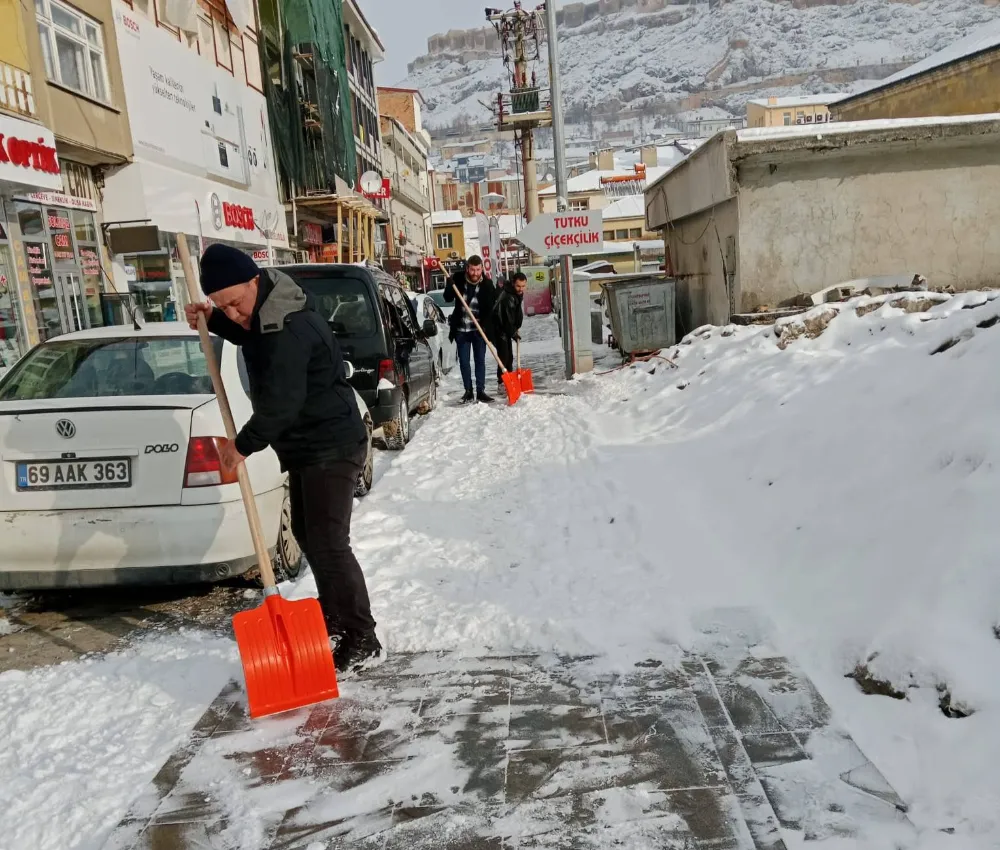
column 343, row 300
column 109, row 367
column 437, row 296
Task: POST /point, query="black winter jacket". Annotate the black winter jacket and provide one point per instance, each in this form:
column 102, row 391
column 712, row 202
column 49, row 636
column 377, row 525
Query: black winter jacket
column 508, row 315
column 487, row 300
column 303, row 406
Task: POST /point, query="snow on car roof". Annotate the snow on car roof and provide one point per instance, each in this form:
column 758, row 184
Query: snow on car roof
column 121, row 331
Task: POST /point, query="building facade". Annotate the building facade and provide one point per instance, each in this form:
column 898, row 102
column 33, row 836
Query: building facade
column 786, row 111
column 764, row 217
column 204, row 164
column 404, row 163
column 64, row 126
column 962, row 79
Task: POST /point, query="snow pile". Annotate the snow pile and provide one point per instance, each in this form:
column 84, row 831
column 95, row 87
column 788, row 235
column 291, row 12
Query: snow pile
column 640, row 58
column 843, row 484
column 82, row 739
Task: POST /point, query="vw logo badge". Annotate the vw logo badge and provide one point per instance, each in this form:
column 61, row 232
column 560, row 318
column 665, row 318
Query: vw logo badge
column 65, row 428
column 216, row 206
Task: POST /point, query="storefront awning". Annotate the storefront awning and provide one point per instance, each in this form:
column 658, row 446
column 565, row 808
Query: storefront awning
column 327, row 205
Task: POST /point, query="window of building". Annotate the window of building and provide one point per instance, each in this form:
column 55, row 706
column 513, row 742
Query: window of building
column 445, row 242
column 73, row 49
column 621, row 234
column 609, row 236
column 788, row 119
column 635, row 233
column 580, row 204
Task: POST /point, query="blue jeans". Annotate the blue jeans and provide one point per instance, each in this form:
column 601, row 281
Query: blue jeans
column 472, row 343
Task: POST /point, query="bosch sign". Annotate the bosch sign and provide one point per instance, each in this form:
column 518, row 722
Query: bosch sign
column 238, row 216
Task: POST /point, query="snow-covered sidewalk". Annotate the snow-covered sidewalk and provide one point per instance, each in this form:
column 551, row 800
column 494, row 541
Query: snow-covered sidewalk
column 841, row 488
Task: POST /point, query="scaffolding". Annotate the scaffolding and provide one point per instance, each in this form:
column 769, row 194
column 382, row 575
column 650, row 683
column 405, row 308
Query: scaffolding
column 308, row 94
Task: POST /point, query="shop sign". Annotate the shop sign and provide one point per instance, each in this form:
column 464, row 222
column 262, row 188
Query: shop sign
column 131, row 273
column 38, row 264
column 58, row 222
column 56, row 199
column 187, row 112
column 90, row 261
column 382, row 192
column 28, row 154
column 238, row 216
column 261, row 256
column 310, row 234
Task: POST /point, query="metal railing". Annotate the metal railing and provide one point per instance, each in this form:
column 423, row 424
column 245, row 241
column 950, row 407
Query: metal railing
column 16, row 92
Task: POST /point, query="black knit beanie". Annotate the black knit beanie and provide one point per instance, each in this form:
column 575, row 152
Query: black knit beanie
column 222, row 267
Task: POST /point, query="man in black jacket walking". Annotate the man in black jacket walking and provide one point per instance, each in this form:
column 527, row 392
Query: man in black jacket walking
column 305, row 410
column 480, row 294
column 508, row 316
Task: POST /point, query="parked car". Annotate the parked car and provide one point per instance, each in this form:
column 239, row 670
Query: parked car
column 110, row 471
column 445, row 353
column 446, row 307
column 378, row 331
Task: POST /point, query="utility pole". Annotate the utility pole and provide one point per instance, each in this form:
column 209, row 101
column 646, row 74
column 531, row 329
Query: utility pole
column 528, row 133
column 559, row 143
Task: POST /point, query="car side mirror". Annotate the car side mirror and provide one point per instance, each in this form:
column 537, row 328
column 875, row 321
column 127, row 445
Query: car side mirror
column 430, row 328
column 349, row 369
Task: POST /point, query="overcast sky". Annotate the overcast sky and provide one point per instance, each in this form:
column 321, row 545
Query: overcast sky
column 405, row 33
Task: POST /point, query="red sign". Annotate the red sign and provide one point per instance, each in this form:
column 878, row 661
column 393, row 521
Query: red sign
column 238, row 216
column 311, row 234
column 58, row 222
column 432, row 263
column 382, row 194
column 37, row 156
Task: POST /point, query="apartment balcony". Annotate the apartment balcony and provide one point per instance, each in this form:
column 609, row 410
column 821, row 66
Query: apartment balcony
column 16, row 91
column 410, row 195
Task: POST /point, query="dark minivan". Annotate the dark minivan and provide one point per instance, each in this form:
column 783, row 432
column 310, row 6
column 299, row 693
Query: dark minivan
column 374, row 322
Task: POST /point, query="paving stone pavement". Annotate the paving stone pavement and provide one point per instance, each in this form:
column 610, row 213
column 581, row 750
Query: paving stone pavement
column 719, row 749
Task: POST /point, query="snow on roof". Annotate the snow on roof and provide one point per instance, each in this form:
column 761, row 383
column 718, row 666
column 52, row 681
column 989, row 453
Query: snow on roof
column 510, row 226
column 799, row 100
column 590, row 181
column 628, row 246
column 633, row 206
column 980, row 39
column 446, row 217
column 757, row 134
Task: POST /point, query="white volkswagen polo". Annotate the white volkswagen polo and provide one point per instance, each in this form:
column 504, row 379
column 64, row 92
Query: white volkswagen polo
column 110, row 471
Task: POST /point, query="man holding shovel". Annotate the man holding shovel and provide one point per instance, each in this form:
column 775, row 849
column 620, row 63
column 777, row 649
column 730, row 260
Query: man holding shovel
column 305, row 410
column 508, row 316
column 479, row 293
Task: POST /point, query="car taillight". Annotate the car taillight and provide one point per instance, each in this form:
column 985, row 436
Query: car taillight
column 204, row 464
column 386, row 370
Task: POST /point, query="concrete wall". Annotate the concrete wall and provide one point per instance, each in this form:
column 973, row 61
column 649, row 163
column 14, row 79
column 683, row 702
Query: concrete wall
column 701, row 181
column 811, row 220
column 703, row 251
column 971, row 87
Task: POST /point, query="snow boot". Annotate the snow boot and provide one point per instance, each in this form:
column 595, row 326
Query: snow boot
column 357, row 652
column 467, row 397
column 482, row 398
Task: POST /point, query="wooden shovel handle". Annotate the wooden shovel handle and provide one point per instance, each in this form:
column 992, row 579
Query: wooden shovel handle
column 246, row 490
column 479, row 328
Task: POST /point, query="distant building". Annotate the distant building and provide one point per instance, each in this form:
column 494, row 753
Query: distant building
column 703, row 128
column 963, row 79
column 786, row 111
column 449, row 235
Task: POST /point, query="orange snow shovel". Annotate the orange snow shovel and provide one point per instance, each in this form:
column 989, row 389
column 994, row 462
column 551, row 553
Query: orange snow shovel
column 524, row 377
column 284, row 645
column 510, row 380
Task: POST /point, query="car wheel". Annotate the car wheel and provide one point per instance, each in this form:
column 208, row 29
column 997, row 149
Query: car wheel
column 432, row 395
column 397, row 430
column 364, row 484
column 288, row 560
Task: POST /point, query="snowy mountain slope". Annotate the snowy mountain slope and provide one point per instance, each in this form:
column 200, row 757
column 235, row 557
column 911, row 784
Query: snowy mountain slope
column 631, row 59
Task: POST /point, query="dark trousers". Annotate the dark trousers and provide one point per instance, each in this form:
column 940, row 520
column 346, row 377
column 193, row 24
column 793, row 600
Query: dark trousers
column 471, row 344
column 505, row 348
column 322, row 497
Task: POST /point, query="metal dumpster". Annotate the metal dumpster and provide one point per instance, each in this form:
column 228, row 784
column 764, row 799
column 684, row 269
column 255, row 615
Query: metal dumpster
column 641, row 307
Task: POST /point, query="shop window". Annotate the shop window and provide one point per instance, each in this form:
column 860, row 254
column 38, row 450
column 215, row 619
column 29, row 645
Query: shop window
column 73, row 49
